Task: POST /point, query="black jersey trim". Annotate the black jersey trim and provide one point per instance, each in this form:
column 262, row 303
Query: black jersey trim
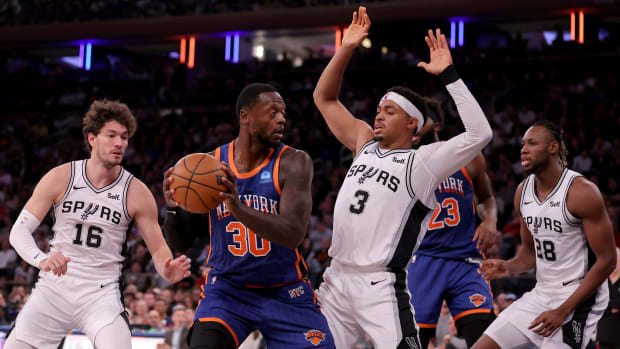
column 409, row 236
column 125, row 190
column 567, row 215
column 408, row 175
column 405, row 315
column 552, row 193
column 364, row 147
column 68, row 190
column 107, row 187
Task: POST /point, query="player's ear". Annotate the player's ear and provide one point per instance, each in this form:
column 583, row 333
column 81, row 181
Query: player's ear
column 243, row 115
column 91, row 139
column 412, row 125
column 554, row 147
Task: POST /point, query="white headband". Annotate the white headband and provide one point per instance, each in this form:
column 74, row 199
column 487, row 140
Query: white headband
column 407, row 106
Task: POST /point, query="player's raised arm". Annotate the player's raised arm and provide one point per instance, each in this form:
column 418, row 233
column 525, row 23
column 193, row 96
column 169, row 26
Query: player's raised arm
column 351, row 132
column 49, row 190
column 461, row 149
column 142, row 207
column 287, row 228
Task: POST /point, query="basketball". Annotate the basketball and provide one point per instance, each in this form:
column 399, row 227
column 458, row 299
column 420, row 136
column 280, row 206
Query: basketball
column 197, row 182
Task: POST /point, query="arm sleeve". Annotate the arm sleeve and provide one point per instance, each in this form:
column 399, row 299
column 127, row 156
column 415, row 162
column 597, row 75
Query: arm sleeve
column 434, row 162
column 181, row 228
column 22, row 241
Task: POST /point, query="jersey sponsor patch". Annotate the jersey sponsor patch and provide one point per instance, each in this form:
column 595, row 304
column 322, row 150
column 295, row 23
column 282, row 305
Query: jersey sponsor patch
column 477, row 299
column 315, row 336
column 265, row 177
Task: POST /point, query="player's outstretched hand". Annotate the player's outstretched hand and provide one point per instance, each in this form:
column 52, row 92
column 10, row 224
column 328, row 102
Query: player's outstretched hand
column 358, row 30
column 168, row 178
column 56, row 262
column 440, row 53
column 493, row 269
column 548, row 322
column 485, row 234
column 176, row 269
column 231, row 196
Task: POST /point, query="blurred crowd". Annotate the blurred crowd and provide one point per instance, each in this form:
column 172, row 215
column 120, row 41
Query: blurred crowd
column 64, row 11
column 43, row 102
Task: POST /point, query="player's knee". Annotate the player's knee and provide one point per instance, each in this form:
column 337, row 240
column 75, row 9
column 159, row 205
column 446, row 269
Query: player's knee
column 210, row 335
column 472, row 327
column 485, row 342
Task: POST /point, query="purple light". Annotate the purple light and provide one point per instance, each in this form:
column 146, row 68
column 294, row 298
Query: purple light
column 81, row 56
column 452, row 34
column 461, row 32
column 236, row 49
column 227, row 52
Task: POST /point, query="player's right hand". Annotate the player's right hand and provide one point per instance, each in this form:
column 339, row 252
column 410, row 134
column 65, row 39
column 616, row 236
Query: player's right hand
column 440, row 53
column 168, row 178
column 493, row 269
column 358, row 30
column 56, row 262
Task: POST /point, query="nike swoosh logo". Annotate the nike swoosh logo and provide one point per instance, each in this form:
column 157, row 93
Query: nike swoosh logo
column 372, row 283
column 564, row 283
column 77, row 188
column 527, row 202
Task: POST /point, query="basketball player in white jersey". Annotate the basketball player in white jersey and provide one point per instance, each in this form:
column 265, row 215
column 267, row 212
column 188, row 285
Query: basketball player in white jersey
column 568, row 237
column 382, row 209
column 93, row 202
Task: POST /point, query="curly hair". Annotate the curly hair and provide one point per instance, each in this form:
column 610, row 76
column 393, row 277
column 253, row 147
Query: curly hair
column 102, row 111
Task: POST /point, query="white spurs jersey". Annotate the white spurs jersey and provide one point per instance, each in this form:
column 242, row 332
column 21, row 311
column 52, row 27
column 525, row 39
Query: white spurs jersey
column 378, row 218
column 91, row 225
column 563, row 256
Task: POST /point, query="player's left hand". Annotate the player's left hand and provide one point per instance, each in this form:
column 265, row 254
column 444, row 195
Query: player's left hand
column 485, row 234
column 548, row 322
column 231, row 197
column 440, row 53
column 176, row 269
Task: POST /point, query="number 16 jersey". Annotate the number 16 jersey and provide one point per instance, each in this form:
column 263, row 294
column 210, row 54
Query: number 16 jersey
column 91, row 224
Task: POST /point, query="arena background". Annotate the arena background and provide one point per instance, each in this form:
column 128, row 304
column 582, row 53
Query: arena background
column 179, row 65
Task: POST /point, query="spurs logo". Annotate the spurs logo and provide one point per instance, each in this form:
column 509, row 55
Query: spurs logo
column 88, row 211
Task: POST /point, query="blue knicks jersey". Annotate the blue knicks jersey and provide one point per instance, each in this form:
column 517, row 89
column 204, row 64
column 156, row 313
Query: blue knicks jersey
column 239, row 254
column 453, row 223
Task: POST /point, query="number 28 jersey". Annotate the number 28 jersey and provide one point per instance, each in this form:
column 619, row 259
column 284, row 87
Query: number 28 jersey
column 382, row 209
column 563, row 256
column 91, row 225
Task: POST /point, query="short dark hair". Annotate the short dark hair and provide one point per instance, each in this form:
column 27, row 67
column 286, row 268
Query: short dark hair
column 102, row 111
column 558, row 135
column 414, row 98
column 249, row 95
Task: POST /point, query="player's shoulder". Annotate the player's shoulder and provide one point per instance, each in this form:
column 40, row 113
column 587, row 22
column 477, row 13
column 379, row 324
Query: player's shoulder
column 293, row 155
column 60, row 172
column 581, row 187
column 138, row 188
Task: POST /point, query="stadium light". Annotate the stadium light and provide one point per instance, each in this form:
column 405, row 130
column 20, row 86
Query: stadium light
column 235, row 58
column 89, row 48
column 338, row 39
column 452, row 34
column 581, row 27
column 461, row 32
column 192, row 52
column 227, row 49
column 182, row 51
column 572, row 26
column 81, row 65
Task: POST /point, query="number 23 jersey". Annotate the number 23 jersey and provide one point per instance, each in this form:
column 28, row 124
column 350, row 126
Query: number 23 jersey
column 382, row 210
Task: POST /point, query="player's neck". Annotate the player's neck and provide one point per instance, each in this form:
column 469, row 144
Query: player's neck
column 547, row 178
column 248, row 153
column 100, row 175
column 401, row 144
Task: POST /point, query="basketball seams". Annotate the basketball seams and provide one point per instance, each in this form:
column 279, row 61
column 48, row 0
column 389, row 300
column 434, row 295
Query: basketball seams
column 201, row 169
column 194, row 182
column 190, row 178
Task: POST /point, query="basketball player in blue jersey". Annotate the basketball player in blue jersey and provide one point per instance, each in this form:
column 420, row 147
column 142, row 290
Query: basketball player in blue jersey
column 386, row 200
column 452, row 246
column 258, row 276
column 568, row 237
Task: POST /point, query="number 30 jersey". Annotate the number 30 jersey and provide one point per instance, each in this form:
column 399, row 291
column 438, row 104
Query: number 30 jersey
column 563, row 256
column 382, row 209
column 91, row 225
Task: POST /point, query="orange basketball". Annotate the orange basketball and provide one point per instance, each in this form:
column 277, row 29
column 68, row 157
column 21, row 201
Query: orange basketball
column 197, row 182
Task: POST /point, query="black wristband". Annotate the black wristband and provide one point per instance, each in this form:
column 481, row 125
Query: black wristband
column 449, row 75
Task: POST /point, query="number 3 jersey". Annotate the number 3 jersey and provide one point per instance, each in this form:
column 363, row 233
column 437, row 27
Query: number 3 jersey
column 91, row 225
column 239, row 254
column 563, row 256
column 382, row 210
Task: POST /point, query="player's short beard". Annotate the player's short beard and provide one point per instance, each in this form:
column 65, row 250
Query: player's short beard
column 378, row 139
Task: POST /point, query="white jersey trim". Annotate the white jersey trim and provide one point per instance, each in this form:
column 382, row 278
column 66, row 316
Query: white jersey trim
column 107, row 187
